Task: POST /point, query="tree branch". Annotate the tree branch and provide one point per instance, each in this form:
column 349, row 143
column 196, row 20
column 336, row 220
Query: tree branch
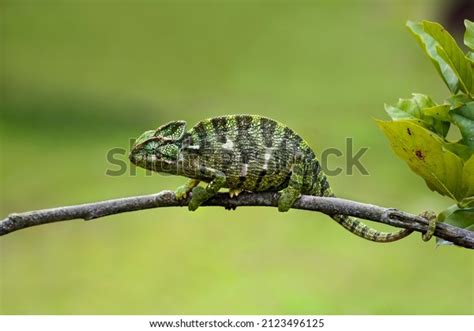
column 329, row 206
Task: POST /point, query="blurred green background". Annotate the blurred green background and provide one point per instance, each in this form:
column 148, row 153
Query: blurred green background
column 82, row 77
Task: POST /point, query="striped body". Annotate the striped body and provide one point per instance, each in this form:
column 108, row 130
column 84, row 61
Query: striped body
column 242, row 153
column 255, row 153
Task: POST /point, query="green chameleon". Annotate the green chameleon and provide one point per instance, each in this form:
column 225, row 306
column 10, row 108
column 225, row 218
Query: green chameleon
column 242, row 153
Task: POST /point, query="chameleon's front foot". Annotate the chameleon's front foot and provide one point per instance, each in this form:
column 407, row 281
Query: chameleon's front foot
column 199, row 196
column 183, row 190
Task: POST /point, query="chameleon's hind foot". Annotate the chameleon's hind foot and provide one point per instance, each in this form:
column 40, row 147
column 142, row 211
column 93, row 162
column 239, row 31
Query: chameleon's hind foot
column 432, row 219
column 287, row 198
column 199, row 196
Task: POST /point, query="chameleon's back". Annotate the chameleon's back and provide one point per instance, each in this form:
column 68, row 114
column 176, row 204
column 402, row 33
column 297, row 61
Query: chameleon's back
column 254, row 152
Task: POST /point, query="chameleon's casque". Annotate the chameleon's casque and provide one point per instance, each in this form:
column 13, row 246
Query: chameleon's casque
column 241, row 153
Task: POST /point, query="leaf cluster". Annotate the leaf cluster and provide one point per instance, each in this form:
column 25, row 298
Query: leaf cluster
column 420, row 130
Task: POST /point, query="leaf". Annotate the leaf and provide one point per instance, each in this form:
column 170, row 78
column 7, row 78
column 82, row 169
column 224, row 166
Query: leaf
column 440, row 112
column 463, row 118
column 396, row 113
column 461, row 150
column 468, row 179
column 461, row 115
column 420, row 108
column 459, row 217
column 469, row 34
column 470, row 56
column 467, row 203
column 449, row 50
column 429, row 45
column 437, row 125
column 448, row 58
column 458, row 100
column 426, row 155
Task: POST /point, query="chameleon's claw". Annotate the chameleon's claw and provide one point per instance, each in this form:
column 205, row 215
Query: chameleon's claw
column 235, row 192
column 181, row 192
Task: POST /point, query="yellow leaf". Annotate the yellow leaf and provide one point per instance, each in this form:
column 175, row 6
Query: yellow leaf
column 426, row 155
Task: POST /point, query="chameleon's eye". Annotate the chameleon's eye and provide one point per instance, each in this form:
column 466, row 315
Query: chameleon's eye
column 169, row 150
column 151, row 147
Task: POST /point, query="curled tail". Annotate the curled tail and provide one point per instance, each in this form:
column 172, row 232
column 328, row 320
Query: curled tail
column 364, row 231
column 320, row 186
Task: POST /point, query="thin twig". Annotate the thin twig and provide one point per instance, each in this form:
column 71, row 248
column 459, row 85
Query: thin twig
column 329, row 206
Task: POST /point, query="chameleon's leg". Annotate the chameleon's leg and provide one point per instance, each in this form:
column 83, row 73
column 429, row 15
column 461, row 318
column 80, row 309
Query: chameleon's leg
column 183, row 190
column 293, row 190
column 201, row 194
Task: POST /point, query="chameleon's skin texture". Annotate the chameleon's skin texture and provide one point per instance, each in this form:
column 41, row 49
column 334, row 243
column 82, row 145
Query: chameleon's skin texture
column 242, row 153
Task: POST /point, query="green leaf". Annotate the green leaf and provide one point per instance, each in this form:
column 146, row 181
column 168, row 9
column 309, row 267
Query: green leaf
column 461, row 150
column 458, row 100
column 423, row 110
column 469, row 34
column 448, row 58
column 467, row 203
column 415, row 104
column 429, row 45
column 396, row 113
column 461, row 115
column 459, row 217
column 426, row 155
column 437, row 125
column 468, row 179
column 440, row 112
column 449, row 50
column 463, row 118
column 470, row 56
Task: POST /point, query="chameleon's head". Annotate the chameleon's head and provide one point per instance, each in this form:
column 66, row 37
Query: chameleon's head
column 158, row 150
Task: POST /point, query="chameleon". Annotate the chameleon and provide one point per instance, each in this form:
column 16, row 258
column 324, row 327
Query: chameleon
column 242, row 153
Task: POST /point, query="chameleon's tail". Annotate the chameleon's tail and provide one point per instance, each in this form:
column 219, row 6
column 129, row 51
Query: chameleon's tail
column 360, row 229
column 354, row 225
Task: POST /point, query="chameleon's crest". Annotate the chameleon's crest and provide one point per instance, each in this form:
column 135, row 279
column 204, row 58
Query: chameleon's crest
column 144, row 137
column 172, row 130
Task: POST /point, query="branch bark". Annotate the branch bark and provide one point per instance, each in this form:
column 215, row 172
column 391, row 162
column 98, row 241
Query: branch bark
column 329, row 206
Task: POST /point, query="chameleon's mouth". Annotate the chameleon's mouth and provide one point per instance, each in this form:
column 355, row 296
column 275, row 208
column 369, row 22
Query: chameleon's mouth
column 132, row 157
column 138, row 159
column 151, row 162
